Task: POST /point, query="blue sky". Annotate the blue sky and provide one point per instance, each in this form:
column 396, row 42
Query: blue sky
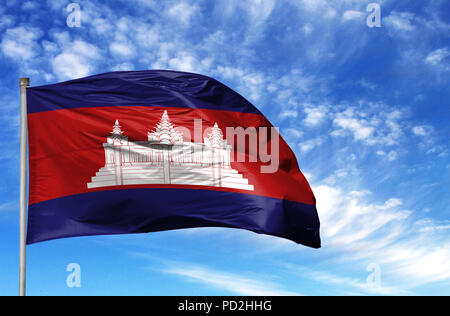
column 366, row 111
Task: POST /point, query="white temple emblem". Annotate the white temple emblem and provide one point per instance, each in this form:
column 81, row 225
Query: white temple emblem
column 166, row 159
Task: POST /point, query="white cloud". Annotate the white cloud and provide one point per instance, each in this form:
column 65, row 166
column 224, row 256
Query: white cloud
column 100, row 25
column 288, row 114
column 315, row 115
column 435, row 228
column 372, row 125
column 230, row 73
column 249, row 83
column 146, row 36
column 309, row 145
column 346, row 219
column 259, row 10
column 293, row 86
column 182, row 12
column 291, row 133
column 360, row 127
column 255, row 84
column 122, row 49
column 20, row 43
column 50, row 48
column 184, row 62
column 349, row 283
column 76, row 60
column 350, row 15
column 437, row 56
column 422, row 130
column 426, row 264
column 232, row 283
column 400, row 21
column 382, row 233
column 391, row 156
column 337, row 175
column 429, row 225
column 70, row 66
column 249, row 19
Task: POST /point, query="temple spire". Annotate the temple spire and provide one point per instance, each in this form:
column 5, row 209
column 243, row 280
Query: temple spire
column 117, row 133
column 215, row 137
column 165, row 132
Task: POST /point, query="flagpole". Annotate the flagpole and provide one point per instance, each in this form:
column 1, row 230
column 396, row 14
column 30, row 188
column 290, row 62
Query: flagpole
column 23, row 83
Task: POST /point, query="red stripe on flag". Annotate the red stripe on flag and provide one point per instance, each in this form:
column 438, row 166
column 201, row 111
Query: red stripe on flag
column 66, row 150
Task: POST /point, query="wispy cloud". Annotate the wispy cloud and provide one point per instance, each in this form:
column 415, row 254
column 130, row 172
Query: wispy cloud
column 310, row 144
column 370, row 123
column 382, row 233
column 9, row 206
column 182, row 12
column 21, row 43
column 429, row 225
column 315, row 115
column 353, row 15
column 439, row 59
column 76, row 60
column 229, row 282
column 346, row 284
column 400, row 21
column 422, row 130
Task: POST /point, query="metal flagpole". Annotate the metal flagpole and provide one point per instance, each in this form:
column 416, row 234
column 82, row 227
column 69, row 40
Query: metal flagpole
column 23, row 83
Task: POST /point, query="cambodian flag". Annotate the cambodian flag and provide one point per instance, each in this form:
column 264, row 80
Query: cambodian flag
column 144, row 151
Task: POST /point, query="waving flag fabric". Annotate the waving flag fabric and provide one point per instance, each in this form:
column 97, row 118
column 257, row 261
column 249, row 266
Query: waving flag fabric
column 136, row 152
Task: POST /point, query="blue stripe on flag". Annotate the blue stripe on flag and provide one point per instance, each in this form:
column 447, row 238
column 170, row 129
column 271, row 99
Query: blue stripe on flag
column 147, row 210
column 138, row 88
